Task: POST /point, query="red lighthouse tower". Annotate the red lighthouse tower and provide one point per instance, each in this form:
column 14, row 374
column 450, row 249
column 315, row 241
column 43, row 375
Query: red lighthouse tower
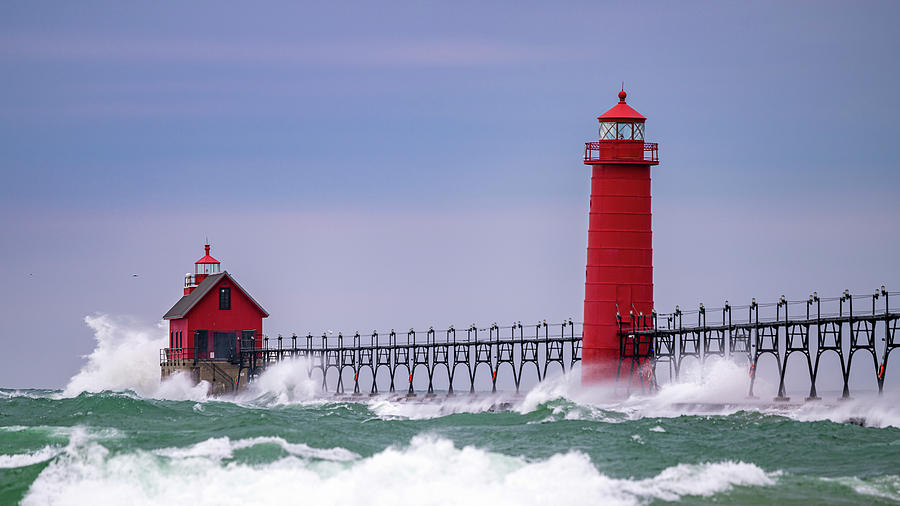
column 619, row 272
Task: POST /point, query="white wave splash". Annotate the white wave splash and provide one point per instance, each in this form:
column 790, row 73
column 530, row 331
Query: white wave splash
column 429, row 471
column 870, row 411
column 78, row 436
column 27, row 459
column 718, row 387
column 395, row 407
column 223, row 448
column 126, row 358
column 885, row 487
column 286, row 382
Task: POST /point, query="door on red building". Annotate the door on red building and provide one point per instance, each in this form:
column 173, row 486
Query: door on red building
column 248, row 339
column 224, row 345
column 201, row 342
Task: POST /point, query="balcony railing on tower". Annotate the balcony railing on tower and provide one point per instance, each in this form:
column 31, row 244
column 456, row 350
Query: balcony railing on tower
column 620, row 152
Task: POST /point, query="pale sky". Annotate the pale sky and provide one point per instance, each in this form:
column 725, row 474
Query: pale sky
column 360, row 165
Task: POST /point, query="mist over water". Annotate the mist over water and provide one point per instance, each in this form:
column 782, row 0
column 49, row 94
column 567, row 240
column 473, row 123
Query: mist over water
column 117, row 434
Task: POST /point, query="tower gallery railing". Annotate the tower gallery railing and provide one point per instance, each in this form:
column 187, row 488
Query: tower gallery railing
column 614, row 151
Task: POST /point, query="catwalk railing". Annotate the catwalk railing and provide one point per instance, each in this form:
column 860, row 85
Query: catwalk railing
column 404, row 354
column 845, row 326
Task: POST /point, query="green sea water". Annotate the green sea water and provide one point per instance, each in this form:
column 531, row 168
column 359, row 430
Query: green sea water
column 118, row 435
column 121, row 448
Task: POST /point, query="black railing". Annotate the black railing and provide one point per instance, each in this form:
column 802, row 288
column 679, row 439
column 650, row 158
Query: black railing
column 811, row 327
column 433, row 351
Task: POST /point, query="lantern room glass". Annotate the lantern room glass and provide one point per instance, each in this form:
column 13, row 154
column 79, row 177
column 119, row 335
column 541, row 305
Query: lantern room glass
column 607, row 130
column 626, row 131
column 638, row 132
column 207, row 268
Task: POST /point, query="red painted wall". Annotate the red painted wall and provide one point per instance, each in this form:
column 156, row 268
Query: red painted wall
column 619, row 262
column 175, row 326
column 206, row 315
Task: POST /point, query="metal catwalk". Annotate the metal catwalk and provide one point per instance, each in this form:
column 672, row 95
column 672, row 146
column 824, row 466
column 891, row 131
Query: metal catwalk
column 446, row 352
column 845, row 326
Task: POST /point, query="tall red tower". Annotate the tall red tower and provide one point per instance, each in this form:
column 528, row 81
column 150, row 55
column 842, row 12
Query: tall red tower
column 619, row 272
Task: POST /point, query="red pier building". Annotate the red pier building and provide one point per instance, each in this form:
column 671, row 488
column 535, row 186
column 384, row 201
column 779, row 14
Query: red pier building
column 215, row 318
column 619, row 272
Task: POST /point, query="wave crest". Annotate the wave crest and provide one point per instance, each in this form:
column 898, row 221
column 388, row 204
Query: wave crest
column 429, row 470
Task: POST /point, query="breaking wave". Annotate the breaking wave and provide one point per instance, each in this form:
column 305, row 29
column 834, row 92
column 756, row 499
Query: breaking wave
column 126, row 358
column 27, row 459
column 286, row 382
column 429, row 470
column 223, row 448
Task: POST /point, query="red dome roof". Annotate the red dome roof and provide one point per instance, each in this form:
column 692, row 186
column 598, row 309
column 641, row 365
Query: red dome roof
column 621, row 111
column 206, row 258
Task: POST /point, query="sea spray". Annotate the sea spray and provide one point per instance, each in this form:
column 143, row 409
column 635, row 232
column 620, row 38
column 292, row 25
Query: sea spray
column 126, row 358
column 285, row 382
column 429, row 470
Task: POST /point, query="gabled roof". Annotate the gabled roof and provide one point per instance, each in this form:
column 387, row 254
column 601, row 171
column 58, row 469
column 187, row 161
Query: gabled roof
column 186, row 303
column 621, row 111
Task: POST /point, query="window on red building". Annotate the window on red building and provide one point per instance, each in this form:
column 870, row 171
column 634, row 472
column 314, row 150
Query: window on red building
column 224, row 298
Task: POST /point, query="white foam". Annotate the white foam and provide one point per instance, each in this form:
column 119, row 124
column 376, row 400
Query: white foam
column 715, row 381
column 214, row 448
column 871, row 411
column 78, row 436
column 223, row 448
column 399, row 408
column 429, row 471
column 27, row 459
column 126, row 358
column 30, row 394
column 886, row 487
column 719, row 387
column 286, row 382
column 565, row 386
column 14, row 428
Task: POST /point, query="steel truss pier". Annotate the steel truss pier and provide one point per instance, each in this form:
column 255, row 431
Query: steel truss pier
column 852, row 327
column 811, row 328
column 449, row 351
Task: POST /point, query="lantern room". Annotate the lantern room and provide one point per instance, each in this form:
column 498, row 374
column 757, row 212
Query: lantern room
column 204, row 267
column 621, row 138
